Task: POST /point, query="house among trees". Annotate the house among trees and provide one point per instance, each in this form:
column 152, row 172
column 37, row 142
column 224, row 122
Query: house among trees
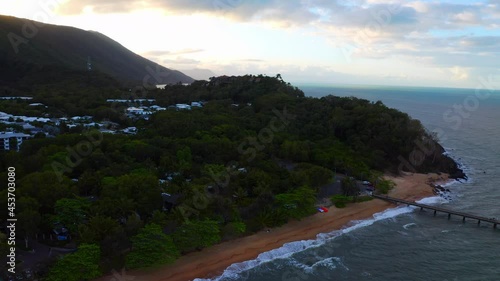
column 222, row 80
column 16, row 98
column 130, row 130
column 61, row 232
column 169, row 201
column 182, row 106
column 196, row 104
column 157, row 108
column 9, row 139
column 37, row 104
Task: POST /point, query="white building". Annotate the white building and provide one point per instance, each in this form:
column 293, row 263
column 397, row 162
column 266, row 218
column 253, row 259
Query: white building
column 93, row 124
column 130, row 130
column 37, row 104
column 157, row 108
column 81, row 118
column 182, row 106
column 16, row 98
column 135, row 110
column 7, row 137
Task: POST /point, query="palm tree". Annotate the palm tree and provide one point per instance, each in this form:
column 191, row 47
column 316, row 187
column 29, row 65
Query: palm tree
column 349, row 187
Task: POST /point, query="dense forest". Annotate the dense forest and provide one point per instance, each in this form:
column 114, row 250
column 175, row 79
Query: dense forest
column 254, row 156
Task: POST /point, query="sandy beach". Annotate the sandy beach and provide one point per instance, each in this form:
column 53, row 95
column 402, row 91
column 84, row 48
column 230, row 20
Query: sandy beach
column 212, row 261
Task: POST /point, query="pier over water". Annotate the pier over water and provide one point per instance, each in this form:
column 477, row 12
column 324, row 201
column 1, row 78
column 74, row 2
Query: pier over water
column 464, row 216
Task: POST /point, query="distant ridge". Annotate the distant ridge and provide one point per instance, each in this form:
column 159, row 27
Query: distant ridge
column 68, row 47
column 200, row 73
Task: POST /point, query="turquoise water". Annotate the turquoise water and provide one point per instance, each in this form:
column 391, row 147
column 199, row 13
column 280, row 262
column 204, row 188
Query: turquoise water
column 404, row 243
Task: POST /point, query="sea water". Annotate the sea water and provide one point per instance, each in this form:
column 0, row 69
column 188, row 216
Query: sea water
column 405, row 243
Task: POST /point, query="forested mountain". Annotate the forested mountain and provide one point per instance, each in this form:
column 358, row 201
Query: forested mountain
column 36, row 53
column 254, row 156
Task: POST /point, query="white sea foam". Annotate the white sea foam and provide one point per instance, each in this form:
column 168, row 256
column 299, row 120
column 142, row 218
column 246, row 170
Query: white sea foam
column 408, row 225
column 467, row 170
column 330, row 262
column 450, row 183
column 435, row 200
column 288, row 249
column 285, row 251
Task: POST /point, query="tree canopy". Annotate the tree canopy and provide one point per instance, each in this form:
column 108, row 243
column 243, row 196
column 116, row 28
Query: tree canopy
column 255, row 155
column 80, row 265
column 194, row 235
column 151, row 247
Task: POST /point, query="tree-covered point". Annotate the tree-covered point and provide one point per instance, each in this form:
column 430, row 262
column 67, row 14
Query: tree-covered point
column 255, row 155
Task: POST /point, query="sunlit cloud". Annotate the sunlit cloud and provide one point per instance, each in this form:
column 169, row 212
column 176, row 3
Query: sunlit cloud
column 315, row 38
column 459, row 73
column 181, row 61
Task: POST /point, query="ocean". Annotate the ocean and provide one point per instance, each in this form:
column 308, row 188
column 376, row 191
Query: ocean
column 404, row 243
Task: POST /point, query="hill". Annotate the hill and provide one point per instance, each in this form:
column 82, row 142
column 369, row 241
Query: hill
column 257, row 154
column 28, row 48
column 199, row 73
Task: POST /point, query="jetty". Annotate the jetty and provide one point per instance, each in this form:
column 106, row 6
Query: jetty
column 464, row 215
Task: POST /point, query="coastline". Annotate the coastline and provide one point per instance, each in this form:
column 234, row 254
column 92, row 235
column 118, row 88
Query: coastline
column 212, row 261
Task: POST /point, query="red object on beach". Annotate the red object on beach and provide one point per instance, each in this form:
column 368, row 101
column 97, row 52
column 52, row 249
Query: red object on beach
column 324, row 209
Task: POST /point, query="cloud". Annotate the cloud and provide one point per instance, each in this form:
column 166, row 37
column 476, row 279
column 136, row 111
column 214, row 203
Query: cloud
column 156, row 53
column 452, row 35
column 287, row 13
column 72, row 7
column 180, row 60
column 160, row 53
column 326, row 74
column 459, row 73
column 251, row 60
column 374, row 17
column 351, row 13
column 467, row 17
column 187, row 51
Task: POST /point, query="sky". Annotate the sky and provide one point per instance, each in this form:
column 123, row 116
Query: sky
column 375, row 42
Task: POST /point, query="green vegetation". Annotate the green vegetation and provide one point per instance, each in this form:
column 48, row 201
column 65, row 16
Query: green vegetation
column 60, row 52
column 4, row 246
column 340, row 201
column 151, row 247
column 383, row 186
column 298, row 203
column 80, row 265
column 349, row 187
column 254, row 156
column 364, row 198
column 195, row 235
column 71, row 212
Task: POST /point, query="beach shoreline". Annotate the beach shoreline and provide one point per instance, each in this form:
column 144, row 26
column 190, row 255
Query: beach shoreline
column 211, row 262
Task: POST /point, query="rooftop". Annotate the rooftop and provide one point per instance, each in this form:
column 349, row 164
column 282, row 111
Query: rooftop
column 8, row 135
